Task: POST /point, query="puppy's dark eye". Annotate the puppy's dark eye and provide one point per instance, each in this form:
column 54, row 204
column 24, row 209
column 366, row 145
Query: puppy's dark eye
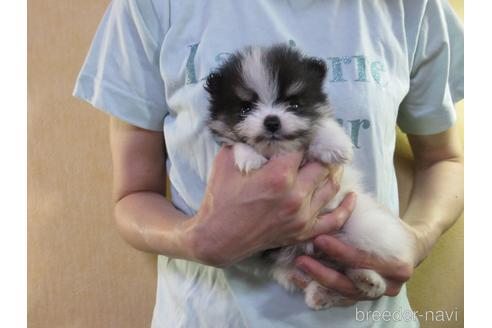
column 246, row 108
column 293, row 106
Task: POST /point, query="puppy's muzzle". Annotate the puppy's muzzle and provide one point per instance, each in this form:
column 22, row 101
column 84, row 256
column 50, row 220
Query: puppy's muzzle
column 272, row 123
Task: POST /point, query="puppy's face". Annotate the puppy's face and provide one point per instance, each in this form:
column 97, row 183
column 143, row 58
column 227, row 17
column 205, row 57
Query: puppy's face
column 268, row 98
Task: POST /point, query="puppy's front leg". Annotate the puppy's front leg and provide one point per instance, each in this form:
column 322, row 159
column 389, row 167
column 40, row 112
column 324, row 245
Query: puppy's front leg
column 330, row 145
column 247, row 158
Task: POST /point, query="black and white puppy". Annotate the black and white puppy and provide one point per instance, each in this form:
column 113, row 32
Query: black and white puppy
column 265, row 101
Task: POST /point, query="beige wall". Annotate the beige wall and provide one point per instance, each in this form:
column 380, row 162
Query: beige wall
column 81, row 274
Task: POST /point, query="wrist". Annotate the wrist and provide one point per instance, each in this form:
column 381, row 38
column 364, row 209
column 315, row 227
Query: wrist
column 425, row 237
column 185, row 239
column 196, row 243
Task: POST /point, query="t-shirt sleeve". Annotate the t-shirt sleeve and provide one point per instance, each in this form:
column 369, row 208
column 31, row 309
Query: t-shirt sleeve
column 121, row 73
column 436, row 72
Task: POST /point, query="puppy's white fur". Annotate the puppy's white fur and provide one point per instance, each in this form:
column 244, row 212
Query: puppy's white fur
column 252, row 126
column 256, row 75
column 247, row 158
column 370, row 227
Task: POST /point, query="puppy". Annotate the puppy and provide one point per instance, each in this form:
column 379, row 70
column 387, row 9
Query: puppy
column 266, row 101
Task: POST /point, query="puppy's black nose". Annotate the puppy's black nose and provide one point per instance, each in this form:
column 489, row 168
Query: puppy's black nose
column 272, row 123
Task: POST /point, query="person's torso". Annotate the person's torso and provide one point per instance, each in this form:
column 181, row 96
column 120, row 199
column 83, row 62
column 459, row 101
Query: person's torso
column 363, row 45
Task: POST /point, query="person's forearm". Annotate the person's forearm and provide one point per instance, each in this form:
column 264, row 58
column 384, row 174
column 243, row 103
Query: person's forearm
column 150, row 223
column 436, row 201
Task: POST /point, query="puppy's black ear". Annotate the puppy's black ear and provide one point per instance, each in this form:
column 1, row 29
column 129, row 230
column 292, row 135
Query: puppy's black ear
column 213, row 82
column 317, row 66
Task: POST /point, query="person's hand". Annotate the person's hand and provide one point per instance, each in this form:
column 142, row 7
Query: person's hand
column 273, row 206
column 335, row 175
column 395, row 273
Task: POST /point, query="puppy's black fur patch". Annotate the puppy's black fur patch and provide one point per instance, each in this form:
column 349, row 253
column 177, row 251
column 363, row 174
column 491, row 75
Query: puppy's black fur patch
column 286, row 66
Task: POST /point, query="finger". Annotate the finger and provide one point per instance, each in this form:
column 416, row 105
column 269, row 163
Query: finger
column 342, row 253
column 393, row 288
column 336, row 174
column 300, row 279
column 290, row 161
column 327, row 277
column 322, row 195
column 350, row 256
column 310, row 176
column 224, row 160
column 281, row 170
column 333, row 221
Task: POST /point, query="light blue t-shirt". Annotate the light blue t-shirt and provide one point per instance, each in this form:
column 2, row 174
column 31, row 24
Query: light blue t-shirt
column 393, row 62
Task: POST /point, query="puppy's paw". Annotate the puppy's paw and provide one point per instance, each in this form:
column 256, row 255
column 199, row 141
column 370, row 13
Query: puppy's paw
column 328, row 153
column 368, row 281
column 331, row 145
column 318, row 297
column 247, row 159
column 246, row 165
column 285, row 277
